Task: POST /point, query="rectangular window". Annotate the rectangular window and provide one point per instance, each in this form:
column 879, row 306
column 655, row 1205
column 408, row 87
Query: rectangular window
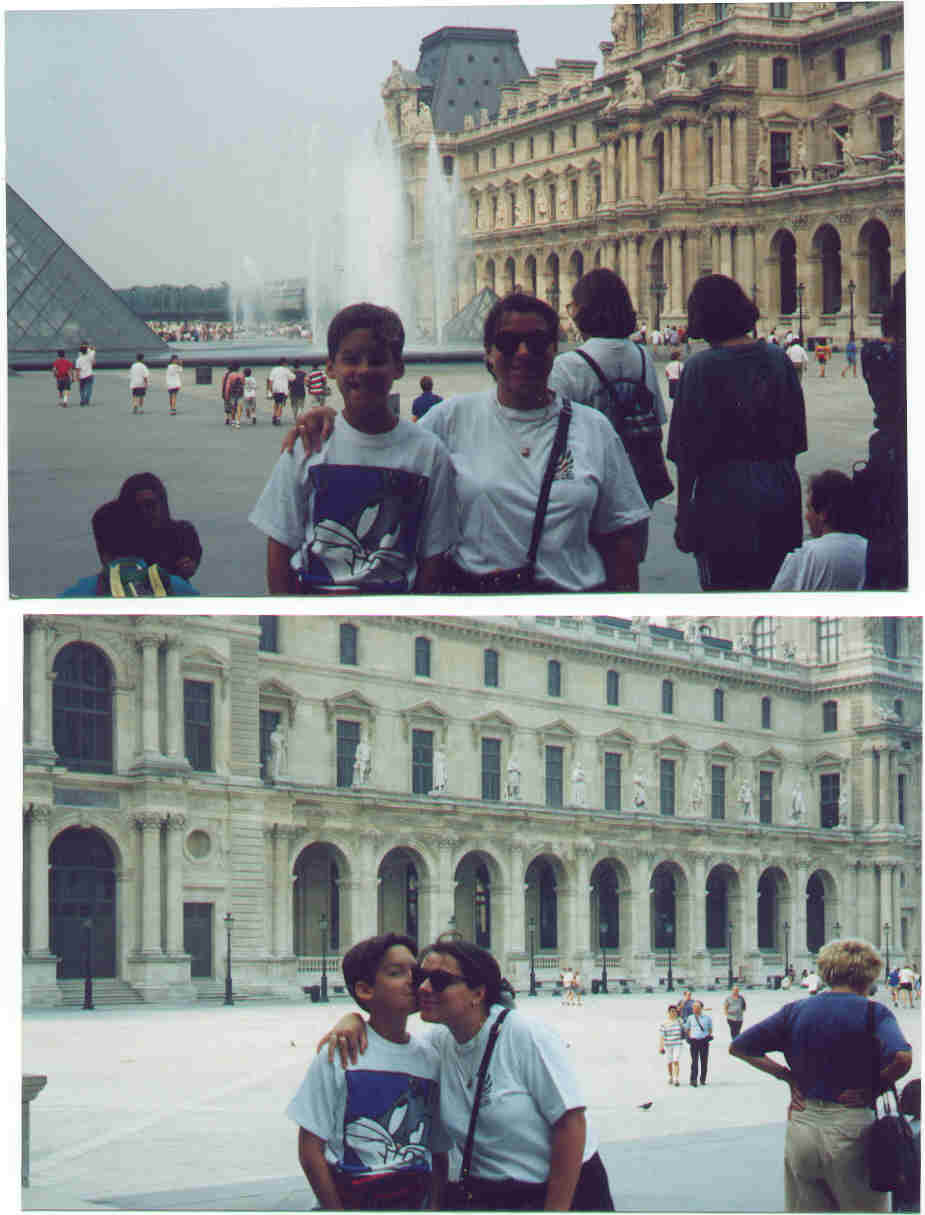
column 779, row 73
column 475, row 162
column 612, row 782
column 491, row 769
column 554, row 678
column 348, row 736
column 838, row 62
column 886, row 53
column 422, row 761
column 829, row 716
column 677, row 19
column 613, row 687
column 573, row 197
column 717, row 791
column 531, row 205
column 829, row 792
column 780, row 158
column 552, row 142
column 493, row 157
column 512, row 208
column 573, row 135
column 890, row 623
column 719, row 704
column 494, row 211
column 491, row 668
column 666, row 786
column 268, row 723
column 901, row 798
column 197, row 724
column 667, row 696
column 530, row 146
column 766, row 712
column 348, row 645
column 765, row 797
column 780, row 12
column 554, row 770
column 269, row 634
column 511, row 153
column 828, row 636
column 422, row 657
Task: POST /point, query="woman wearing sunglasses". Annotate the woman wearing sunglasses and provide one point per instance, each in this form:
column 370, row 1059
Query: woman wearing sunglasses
column 533, row 1148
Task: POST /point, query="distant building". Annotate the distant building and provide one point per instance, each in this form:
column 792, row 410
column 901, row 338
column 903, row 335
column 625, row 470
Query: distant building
column 763, row 141
column 732, row 790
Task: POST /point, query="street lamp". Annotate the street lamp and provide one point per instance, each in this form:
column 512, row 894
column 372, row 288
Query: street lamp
column 786, row 947
column 852, row 287
column 452, row 931
column 800, row 290
column 658, row 290
column 532, row 926
column 886, row 937
column 323, row 923
column 729, row 975
column 837, row 929
column 88, row 963
column 603, row 937
column 229, row 924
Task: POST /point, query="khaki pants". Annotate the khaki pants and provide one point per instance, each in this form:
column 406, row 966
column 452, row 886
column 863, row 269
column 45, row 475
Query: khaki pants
column 824, row 1164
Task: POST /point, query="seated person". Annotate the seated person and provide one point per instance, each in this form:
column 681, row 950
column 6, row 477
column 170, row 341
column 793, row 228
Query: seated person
column 375, row 509
column 123, row 573
column 835, row 558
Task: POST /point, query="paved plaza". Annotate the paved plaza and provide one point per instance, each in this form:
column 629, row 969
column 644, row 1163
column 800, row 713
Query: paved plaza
column 65, row 463
column 157, row 1108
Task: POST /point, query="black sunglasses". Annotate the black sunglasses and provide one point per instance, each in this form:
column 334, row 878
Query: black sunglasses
column 439, row 980
column 537, row 342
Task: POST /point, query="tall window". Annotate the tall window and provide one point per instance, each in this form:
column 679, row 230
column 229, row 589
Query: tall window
column 612, row 781
column 886, row 53
column 554, row 774
column 573, row 135
column 829, row 716
column 781, row 12
column 838, row 62
column 552, row 142
column 666, row 785
column 766, row 712
column 493, row 157
column 719, row 704
column 422, row 761
column 886, row 133
column 901, row 798
column 197, row 724
column 891, row 636
column 269, row 634
column 639, row 24
column 765, row 797
column 530, row 146
column 268, row 723
column 763, row 637
column 82, row 708
column 422, row 656
column 828, row 638
column 511, row 153
column 667, row 696
column 573, row 197
column 677, row 19
column 779, row 73
column 490, row 666
column 491, row 769
column 613, row 687
column 348, row 645
column 780, row 157
column 554, row 677
column 829, row 792
column 475, row 162
column 348, row 736
column 717, row 791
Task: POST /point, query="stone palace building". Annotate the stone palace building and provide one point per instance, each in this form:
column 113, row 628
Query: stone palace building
column 762, row 141
column 707, row 794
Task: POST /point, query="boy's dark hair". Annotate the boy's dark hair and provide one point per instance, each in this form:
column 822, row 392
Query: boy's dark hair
column 248, row 371
column 478, row 966
column 385, row 325
column 426, row 383
column 603, row 305
column 110, row 532
column 832, row 493
column 718, row 309
column 519, row 302
column 139, row 357
column 234, row 366
column 363, row 960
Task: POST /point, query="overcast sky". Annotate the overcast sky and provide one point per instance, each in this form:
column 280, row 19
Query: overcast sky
column 165, row 146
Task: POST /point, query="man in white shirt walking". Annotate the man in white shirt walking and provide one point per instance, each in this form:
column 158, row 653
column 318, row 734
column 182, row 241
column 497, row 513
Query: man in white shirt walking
column 84, row 364
column 798, row 357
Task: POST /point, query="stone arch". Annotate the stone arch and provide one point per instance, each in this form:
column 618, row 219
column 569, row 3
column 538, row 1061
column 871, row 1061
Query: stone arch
column 530, row 281
column 551, row 281
column 84, row 725
column 610, row 906
column 84, row 865
column 488, row 276
column 510, row 275
column 403, row 877
column 478, row 904
column 782, row 262
column 773, row 899
column 723, row 907
column 874, row 263
column 545, row 882
column 319, row 869
column 827, row 266
column 576, row 268
column 822, row 901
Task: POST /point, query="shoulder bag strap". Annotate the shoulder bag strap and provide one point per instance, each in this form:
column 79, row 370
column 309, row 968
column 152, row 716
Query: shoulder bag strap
column 558, row 445
column 483, row 1068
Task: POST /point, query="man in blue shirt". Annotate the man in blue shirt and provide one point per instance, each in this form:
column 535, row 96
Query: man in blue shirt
column 698, row 1029
column 427, row 399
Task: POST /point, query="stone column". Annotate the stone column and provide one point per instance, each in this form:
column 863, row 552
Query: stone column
column 747, row 245
column 725, row 250
column 888, row 815
column 799, row 910
column 632, row 164
column 149, row 825
column 678, row 300
column 580, row 919
column 698, row 924
column 176, row 825
column 642, row 937
column 609, row 173
column 748, row 909
column 887, row 909
column 365, row 908
column 740, row 169
column 174, row 708
column 677, row 159
column 39, row 826
column 715, row 157
column 150, row 699
column 867, row 909
column 39, row 716
column 870, row 790
column 632, row 271
column 221, row 724
column 725, row 125
column 446, row 887
column 282, row 889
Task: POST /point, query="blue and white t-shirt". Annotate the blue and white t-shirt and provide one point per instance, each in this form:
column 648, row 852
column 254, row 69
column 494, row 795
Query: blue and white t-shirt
column 363, row 511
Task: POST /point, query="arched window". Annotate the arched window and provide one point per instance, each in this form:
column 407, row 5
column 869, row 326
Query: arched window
column 608, row 905
column 411, row 902
column 767, row 912
column 717, row 913
column 82, row 708
column 815, row 913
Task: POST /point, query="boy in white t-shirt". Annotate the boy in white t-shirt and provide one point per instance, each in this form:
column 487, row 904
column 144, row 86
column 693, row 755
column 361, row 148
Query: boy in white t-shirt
column 138, row 383
column 278, row 381
column 835, row 559
column 375, row 509
column 370, row 1136
column 250, row 395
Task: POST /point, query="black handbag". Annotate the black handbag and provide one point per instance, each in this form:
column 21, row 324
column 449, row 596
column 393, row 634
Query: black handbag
column 460, row 1195
column 892, row 1158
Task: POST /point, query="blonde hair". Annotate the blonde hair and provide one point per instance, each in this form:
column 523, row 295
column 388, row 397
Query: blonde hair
column 848, row 963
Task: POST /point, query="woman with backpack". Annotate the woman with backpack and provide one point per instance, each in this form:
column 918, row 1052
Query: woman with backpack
column 616, row 376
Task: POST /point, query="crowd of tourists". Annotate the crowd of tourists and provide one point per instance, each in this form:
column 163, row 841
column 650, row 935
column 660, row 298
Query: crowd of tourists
column 225, row 331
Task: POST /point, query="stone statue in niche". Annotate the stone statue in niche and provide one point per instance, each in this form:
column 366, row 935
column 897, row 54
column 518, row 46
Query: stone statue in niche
column 798, row 805
column 746, row 800
column 634, row 89
column 512, row 790
column 279, row 749
column 697, row 797
column 362, row 764
column 579, row 786
column 441, row 771
column 640, row 795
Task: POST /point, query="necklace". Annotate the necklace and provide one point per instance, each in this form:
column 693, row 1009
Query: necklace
column 468, row 1051
column 524, row 426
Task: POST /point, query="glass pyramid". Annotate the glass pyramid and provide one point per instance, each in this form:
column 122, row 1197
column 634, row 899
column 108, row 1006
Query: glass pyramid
column 55, row 301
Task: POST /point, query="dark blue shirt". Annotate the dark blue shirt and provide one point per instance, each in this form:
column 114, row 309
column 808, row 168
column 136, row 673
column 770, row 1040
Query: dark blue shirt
column 421, row 404
column 826, row 1043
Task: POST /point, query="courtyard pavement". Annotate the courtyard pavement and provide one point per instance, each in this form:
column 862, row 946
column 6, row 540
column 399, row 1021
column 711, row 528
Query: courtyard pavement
column 65, row 463
column 164, row 1108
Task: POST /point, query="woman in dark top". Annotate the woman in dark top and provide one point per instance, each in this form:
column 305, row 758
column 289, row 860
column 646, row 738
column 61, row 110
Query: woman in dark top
column 737, row 426
column 159, row 539
column 842, row 1049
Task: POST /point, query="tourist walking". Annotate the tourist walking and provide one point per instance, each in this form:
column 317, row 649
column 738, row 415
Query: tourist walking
column 85, row 364
column 835, row 558
column 841, row 1049
column 823, row 353
column 61, row 370
column 670, row 1038
column 297, row 389
column 428, row 398
column 233, row 394
column 906, row 983
column 250, row 395
column 892, row 982
column 278, row 382
column 798, row 357
column 673, row 369
column 737, row 426
column 698, row 1029
column 317, row 384
column 734, row 1008
column 851, row 359
column 174, row 377
column 138, row 379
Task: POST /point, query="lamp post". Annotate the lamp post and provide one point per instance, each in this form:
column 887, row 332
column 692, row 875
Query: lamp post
column 658, row 290
column 852, row 287
column 603, row 937
column 786, row 947
column 886, row 937
column 755, row 302
column 729, row 975
column 800, row 290
column 532, row 926
column 88, row 963
column 323, row 924
column 837, row 929
column 229, row 924
column 452, row 931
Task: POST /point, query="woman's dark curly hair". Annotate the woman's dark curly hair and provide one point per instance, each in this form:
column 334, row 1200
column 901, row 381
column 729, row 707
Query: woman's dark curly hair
column 603, row 305
column 718, row 309
column 478, row 966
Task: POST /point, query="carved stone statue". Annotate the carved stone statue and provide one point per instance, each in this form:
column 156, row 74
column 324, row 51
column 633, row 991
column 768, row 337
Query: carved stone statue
column 887, row 713
column 441, row 771
column 692, row 632
column 640, row 624
column 846, row 143
column 640, row 798
column 741, row 644
column 697, row 796
column 634, row 89
column 728, row 71
column 790, row 651
column 512, row 791
column 620, row 25
column 362, row 764
column 843, row 809
column 394, row 78
column 579, row 786
column 898, row 136
column 798, row 805
column 746, row 800
column 278, row 753
column 802, row 154
column 762, row 172
column 675, row 75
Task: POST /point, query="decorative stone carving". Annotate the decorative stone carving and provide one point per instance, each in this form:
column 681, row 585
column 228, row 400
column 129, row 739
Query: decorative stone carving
column 741, row 644
column 640, row 793
column 634, row 89
column 790, row 651
column 898, row 138
column 727, row 72
column 620, row 26
column 362, row 764
column 843, row 808
column 802, row 153
column 746, row 800
column 579, row 786
column 798, row 805
column 692, row 632
column 887, row 713
column 762, row 172
column 279, row 753
column 676, row 78
column 512, row 787
column 441, row 771
column 697, row 793
column 847, row 146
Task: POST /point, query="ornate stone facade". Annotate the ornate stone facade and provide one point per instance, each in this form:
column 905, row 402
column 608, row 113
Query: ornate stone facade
column 612, row 782
column 761, row 141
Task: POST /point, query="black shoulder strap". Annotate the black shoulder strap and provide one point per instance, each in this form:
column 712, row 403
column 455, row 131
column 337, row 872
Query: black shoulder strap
column 483, row 1068
column 600, row 375
column 555, row 454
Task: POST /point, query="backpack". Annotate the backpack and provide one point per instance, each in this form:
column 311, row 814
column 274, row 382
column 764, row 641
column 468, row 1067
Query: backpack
column 132, row 578
column 235, row 386
column 631, row 412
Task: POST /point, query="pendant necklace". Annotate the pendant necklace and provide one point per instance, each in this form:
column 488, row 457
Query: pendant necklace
column 537, row 423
